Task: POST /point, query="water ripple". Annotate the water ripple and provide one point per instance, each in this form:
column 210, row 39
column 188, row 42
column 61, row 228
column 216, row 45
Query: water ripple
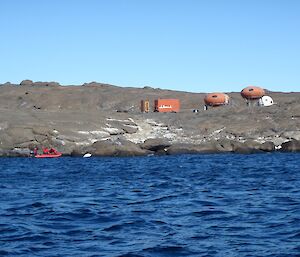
column 188, row 205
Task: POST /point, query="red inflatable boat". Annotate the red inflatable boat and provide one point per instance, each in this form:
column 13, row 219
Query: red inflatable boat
column 47, row 153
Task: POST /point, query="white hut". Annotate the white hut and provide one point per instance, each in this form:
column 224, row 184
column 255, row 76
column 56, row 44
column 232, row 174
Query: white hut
column 266, row 101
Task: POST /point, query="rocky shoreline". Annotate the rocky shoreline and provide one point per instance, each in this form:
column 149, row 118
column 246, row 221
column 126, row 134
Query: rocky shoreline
column 105, row 120
column 122, row 148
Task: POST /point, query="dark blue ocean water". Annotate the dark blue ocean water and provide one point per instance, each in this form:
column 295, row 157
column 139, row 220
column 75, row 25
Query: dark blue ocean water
column 188, row 205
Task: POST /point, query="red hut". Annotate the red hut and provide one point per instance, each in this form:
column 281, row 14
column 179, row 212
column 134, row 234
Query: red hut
column 166, row 105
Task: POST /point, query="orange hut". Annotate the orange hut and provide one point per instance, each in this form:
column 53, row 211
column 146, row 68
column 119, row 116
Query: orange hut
column 252, row 93
column 216, row 99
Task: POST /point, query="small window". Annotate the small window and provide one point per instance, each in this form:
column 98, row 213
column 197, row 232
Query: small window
column 251, row 89
column 214, row 96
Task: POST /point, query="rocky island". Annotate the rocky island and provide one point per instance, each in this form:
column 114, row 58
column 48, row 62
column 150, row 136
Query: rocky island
column 106, row 120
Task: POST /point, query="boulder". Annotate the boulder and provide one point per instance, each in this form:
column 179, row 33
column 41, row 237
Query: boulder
column 26, row 82
column 155, row 144
column 125, row 109
column 191, row 148
column 127, row 148
column 246, row 147
column 129, row 129
column 267, row 146
column 291, row 146
column 120, row 147
column 103, row 148
column 251, row 144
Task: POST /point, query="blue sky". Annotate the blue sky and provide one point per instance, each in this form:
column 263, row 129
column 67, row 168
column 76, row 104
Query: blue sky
column 187, row 45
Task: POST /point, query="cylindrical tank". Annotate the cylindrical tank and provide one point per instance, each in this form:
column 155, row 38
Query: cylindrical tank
column 252, row 92
column 216, row 99
column 145, row 106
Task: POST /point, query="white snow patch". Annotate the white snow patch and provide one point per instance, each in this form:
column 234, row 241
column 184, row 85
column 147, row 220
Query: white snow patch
column 170, row 135
column 98, row 132
column 111, row 119
column 59, row 141
column 112, row 130
column 217, row 131
column 83, row 132
column 131, row 126
column 150, row 129
column 93, row 132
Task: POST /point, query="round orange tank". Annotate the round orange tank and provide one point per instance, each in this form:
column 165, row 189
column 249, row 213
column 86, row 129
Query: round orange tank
column 252, row 92
column 216, row 99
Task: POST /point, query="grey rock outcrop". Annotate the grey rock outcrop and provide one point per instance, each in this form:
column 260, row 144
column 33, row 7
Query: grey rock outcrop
column 190, row 149
column 16, row 152
column 249, row 146
column 103, row 148
column 155, row 144
column 291, row 146
column 116, row 148
column 267, row 146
